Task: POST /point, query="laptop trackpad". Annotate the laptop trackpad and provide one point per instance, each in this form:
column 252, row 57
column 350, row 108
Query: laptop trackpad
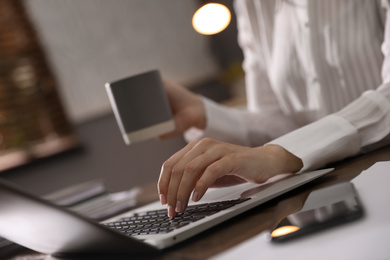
column 245, row 190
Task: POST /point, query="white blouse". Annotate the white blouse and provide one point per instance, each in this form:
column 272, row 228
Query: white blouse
column 317, row 79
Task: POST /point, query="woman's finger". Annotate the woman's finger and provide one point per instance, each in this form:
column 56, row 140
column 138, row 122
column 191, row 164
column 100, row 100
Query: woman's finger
column 212, row 173
column 166, row 170
column 187, row 171
column 193, row 171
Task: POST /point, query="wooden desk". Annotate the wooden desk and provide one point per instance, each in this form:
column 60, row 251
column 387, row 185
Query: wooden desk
column 248, row 225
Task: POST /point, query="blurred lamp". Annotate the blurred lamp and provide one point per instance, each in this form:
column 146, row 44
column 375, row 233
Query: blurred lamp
column 284, row 230
column 211, row 19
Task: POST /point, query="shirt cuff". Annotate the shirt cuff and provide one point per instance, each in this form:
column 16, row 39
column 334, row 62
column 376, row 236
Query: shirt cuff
column 327, row 140
column 223, row 124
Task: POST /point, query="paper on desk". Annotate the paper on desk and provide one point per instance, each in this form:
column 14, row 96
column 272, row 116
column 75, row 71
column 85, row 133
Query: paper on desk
column 363, row 239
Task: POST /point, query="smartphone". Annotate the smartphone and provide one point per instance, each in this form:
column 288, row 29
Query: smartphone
column 323, row 208
column 141, row 106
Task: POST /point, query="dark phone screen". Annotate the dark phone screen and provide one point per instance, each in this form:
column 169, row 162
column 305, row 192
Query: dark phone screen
column 322, row 209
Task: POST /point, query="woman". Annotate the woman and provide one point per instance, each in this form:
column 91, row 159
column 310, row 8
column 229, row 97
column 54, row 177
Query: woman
column 318, row 91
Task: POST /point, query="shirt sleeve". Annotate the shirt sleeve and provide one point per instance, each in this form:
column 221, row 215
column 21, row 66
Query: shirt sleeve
column 361, row 126
column 239, row 126
column 262, row 120
column 224, row 124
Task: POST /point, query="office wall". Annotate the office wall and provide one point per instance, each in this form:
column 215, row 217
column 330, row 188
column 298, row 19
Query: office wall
column 91, row 42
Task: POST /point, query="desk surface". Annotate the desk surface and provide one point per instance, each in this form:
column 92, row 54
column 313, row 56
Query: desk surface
column 251, row 223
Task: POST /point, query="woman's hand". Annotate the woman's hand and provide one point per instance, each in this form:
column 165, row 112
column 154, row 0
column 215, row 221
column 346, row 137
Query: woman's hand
column 210, row 163
column 187, row 108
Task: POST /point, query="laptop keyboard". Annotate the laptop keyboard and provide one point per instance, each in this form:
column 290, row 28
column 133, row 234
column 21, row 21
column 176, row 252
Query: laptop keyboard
column 158, row 222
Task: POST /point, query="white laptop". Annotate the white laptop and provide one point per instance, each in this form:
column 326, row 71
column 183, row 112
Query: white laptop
column 40, row 225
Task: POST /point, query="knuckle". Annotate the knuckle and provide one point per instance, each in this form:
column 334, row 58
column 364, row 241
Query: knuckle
column 176, row 171
column 192, row 143
column 159, row 187
column 168, row 164
column 162, row 184
column 207, row 141
column 191, row 167
column 214, row 169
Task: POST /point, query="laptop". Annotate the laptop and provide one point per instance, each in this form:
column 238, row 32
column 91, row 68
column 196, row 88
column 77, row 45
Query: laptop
column 45, row 227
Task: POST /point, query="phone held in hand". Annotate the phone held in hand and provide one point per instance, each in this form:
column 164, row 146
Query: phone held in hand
column 323, row 208
column 141, row 106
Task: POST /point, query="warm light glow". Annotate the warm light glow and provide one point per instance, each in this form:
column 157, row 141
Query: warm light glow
column 284, row 231
column 211, row 19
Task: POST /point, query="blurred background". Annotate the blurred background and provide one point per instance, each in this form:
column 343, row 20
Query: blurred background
column 56, row 123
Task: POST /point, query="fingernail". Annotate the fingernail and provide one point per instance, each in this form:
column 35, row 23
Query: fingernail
column 179, row 206
column 163, row 199
column 195, row 196
column 171, row 212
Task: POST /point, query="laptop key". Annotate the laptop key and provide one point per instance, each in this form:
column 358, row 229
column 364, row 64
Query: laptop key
column 158, row 222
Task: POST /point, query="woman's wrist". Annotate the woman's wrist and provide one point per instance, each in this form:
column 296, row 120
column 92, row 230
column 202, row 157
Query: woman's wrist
column 281, row 160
